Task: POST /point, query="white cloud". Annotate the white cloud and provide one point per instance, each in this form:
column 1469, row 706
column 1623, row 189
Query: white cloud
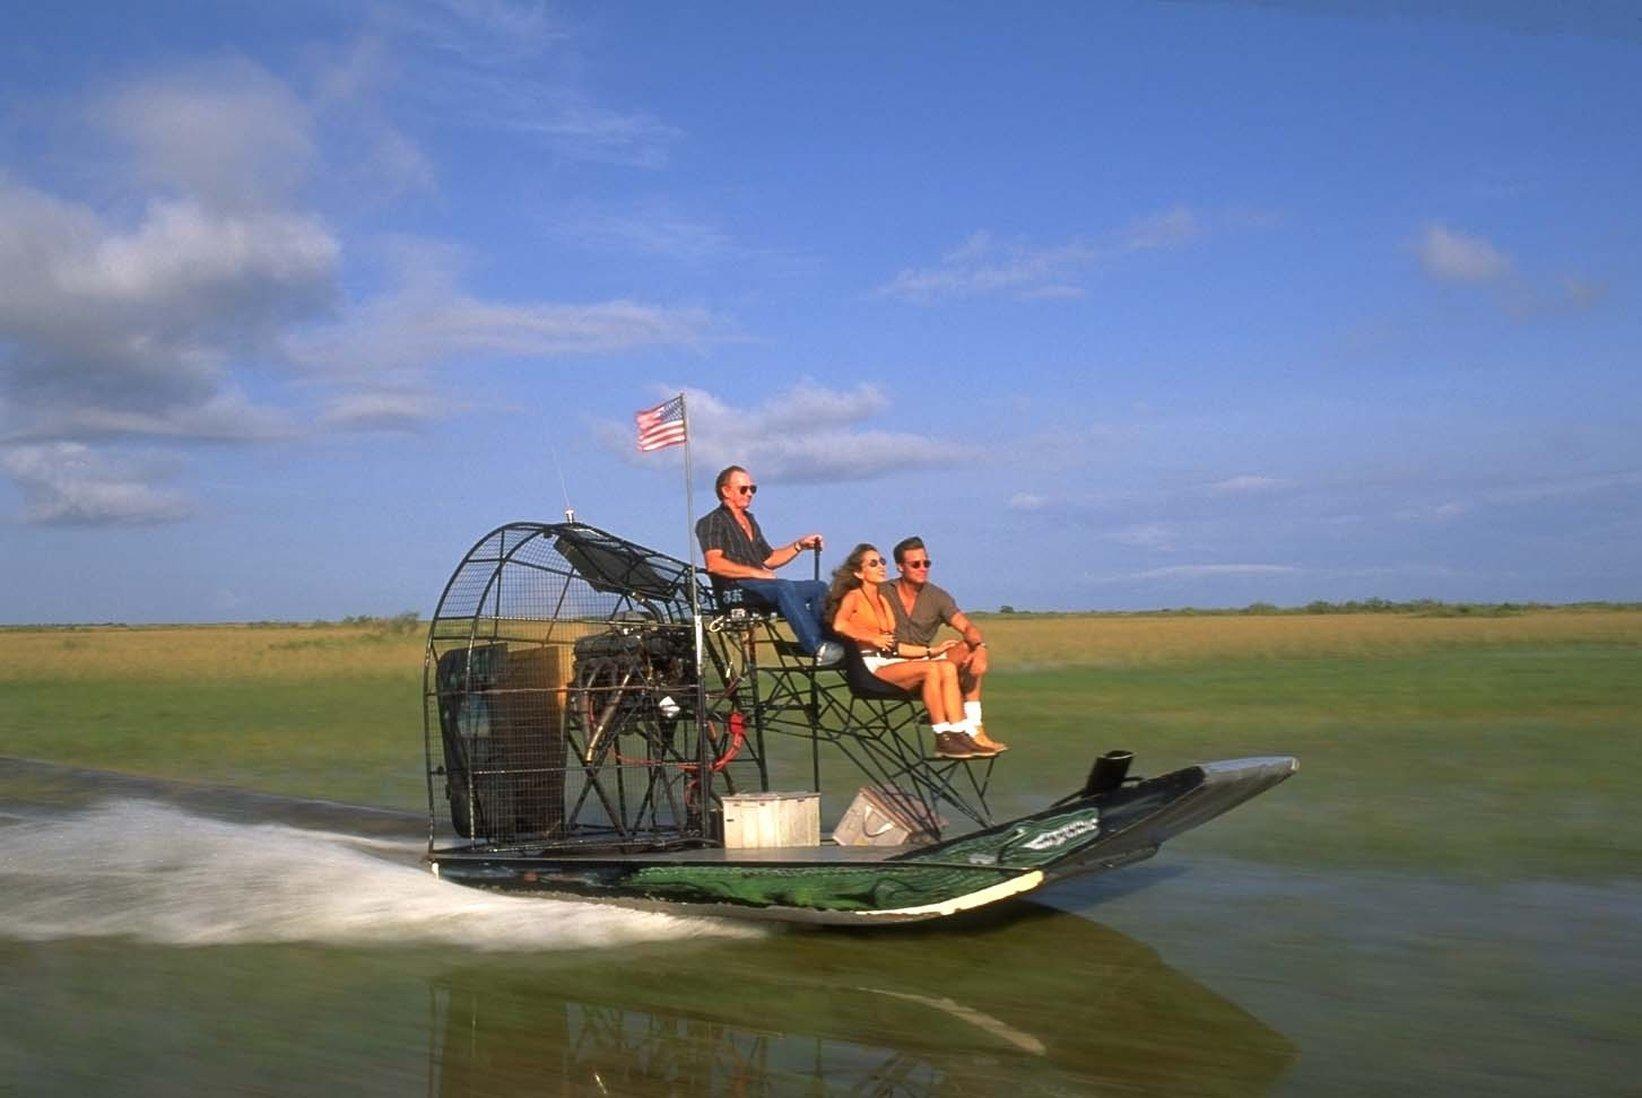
column 808, row 433
column 133, row 327
column 385, row 352
column 192, row 318
column 1565, row 487
column 1530, row 492
column 229, row 133
column 986, row 265
column 400, row 332
column 1162, row 230
column 808, row 406
column 1456, row 257
column 511, row 67
column 1146, row 535
column 1581, row 293
column 1027, row 501
column 1054, row 291
column 185, row 260
column 350, row 101
column 474, row 32
column 648, row 232
column 226, row 416
column 1244, row 485
column 129, row 330
column 68, row 484
column 383, row 410
column 1451, row 256
column 577, row 127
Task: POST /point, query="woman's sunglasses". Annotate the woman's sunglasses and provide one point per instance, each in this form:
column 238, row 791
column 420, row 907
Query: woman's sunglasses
column 877, row 563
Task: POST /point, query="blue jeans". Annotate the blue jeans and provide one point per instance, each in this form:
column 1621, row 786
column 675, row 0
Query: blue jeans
column 801, row 602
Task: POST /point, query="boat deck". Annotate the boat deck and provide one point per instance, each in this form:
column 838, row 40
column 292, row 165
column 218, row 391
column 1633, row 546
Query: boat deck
column 829, row 853
column 826, row 852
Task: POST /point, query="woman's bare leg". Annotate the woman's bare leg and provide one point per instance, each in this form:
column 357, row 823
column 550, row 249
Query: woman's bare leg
column 923, row 677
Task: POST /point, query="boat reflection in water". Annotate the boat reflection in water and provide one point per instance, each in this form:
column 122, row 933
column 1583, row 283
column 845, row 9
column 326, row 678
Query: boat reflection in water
column 1041, row 1000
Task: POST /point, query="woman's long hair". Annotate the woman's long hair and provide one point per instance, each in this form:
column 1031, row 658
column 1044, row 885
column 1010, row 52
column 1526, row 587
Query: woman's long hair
column 844, row 580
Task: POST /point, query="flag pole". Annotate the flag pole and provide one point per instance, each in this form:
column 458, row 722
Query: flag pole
column 702, row 723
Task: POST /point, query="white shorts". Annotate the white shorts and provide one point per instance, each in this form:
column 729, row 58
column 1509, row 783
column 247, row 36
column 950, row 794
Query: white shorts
column 874, row 661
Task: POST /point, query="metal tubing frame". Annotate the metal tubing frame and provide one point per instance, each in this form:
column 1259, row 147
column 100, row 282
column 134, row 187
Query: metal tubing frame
column 760, row 673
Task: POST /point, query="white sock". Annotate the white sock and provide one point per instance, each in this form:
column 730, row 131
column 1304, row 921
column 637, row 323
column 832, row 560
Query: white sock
column 972, row 712
column 939, row 728
column 966, row 726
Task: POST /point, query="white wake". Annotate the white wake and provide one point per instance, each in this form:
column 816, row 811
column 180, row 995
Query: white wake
column 156, row 873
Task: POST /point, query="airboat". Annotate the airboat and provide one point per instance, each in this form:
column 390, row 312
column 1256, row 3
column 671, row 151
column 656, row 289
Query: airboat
column 602, row 723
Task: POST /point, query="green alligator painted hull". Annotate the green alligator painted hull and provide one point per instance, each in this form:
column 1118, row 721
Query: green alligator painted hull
column 1080, row 836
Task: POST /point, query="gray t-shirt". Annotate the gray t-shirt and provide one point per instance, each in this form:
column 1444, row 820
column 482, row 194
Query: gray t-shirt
column 930, row 610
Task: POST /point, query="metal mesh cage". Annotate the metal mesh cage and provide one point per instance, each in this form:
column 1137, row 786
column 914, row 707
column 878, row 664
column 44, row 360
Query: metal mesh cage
column 561, row 702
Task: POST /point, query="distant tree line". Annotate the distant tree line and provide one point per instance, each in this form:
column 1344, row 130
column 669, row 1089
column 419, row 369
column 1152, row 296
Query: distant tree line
column 407, row 622
column 1428, row 608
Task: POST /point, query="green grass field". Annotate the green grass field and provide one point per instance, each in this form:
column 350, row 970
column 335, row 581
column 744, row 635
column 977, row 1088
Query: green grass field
column 1497, row 746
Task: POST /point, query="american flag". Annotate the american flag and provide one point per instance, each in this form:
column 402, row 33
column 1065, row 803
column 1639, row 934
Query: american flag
column 661, row 426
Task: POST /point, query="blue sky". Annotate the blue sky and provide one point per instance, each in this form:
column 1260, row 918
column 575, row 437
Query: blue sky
column 1119, row 306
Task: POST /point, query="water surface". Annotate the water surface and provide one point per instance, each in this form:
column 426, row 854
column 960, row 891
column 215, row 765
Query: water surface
column 161, row 939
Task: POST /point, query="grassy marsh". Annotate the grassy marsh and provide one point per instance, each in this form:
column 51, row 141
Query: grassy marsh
column 1495, row 745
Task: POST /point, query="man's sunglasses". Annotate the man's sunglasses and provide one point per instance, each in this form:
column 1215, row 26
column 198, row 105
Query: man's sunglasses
column 747, row 489
column 917, row 564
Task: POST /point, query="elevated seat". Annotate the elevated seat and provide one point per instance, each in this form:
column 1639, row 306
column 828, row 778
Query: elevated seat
column 878, row 726
column 864, row 684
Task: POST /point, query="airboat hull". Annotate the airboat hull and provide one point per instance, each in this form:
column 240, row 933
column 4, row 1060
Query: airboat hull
column 866, row 886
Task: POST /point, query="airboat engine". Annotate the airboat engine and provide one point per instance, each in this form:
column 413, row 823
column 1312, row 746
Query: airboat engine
column 631, row 679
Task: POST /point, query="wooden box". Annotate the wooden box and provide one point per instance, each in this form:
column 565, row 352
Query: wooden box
column 771, row 819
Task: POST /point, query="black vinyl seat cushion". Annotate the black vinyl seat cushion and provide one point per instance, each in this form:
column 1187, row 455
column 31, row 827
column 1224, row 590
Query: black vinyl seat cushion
column 863, row 683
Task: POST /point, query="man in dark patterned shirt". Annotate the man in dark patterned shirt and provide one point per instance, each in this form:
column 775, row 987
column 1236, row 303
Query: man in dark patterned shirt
column 736, row 552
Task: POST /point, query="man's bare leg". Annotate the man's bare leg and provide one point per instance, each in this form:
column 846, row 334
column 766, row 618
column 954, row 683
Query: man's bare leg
column 937, row 680
column 972, row 666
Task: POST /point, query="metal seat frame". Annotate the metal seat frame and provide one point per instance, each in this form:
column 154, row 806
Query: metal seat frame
column 883, row 736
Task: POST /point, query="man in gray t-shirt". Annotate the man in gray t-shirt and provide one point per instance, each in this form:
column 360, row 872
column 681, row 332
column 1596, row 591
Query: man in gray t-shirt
column 921, row 608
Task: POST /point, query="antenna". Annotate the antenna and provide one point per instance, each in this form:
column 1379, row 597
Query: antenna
column 569, row 511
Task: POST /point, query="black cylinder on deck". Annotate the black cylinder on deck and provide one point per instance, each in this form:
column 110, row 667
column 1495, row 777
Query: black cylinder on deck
column 1108, row 772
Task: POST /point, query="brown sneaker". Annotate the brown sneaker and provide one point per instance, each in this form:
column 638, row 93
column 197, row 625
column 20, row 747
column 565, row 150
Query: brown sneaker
column 987, row 742
column 956, row 745
column 987, row 749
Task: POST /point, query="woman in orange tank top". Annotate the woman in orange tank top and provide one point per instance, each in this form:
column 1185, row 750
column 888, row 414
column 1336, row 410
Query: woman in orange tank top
column 858, row 611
